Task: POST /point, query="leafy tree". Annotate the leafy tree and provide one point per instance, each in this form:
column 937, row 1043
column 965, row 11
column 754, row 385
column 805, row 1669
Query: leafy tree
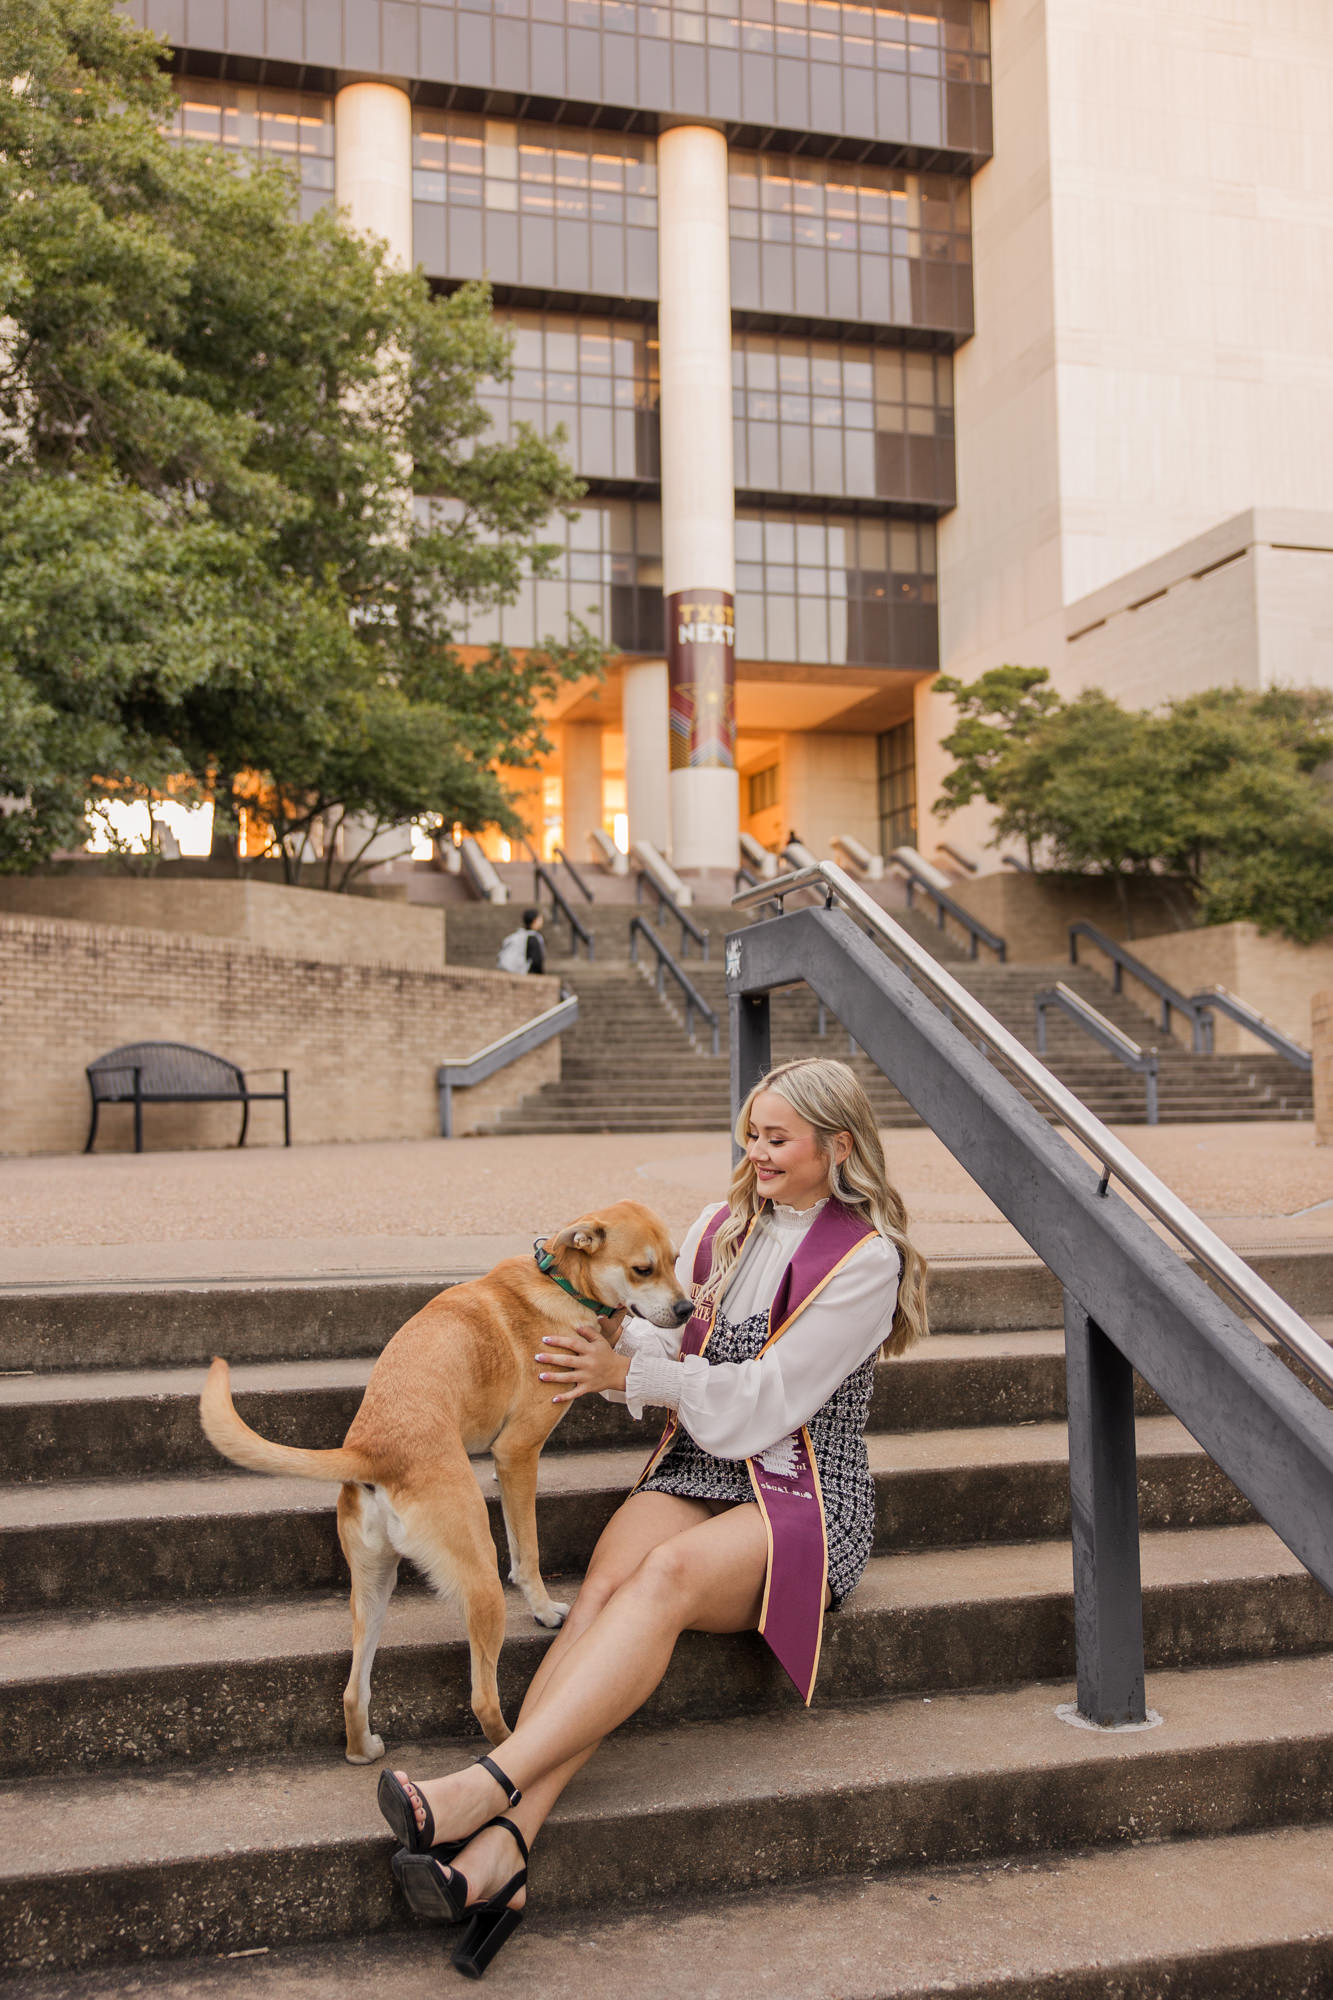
column 1227, row 789
column 212, row 419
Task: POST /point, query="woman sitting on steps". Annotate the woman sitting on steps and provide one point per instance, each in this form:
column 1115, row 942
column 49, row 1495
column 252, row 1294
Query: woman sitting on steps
column 755, row 1512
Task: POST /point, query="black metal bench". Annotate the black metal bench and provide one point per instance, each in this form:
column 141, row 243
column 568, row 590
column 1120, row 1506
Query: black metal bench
column 174, row 1073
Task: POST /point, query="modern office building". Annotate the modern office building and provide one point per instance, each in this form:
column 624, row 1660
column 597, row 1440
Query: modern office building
column 737, row 242
column 734, row 244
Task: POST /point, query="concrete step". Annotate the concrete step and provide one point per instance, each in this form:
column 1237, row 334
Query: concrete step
column 90, row 1544
column 127, row 1423
column 159, row 1685
column 115, row 1869
column 1241, row 1917
column 46, row 1328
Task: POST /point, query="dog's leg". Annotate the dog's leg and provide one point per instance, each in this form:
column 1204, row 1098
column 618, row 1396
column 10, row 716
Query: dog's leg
column 515, row 1452
column 446, row 1531
column 373, row 1563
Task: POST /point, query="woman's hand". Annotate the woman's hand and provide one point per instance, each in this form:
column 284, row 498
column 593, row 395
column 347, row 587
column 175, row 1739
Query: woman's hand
column 581, row 1362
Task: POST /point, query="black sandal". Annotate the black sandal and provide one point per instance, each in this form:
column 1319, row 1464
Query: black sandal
column 433, row 1892
column 492, row 1921
column 395, row 1803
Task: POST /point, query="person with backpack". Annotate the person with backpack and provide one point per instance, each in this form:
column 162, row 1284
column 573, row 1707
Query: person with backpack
column 524, row 951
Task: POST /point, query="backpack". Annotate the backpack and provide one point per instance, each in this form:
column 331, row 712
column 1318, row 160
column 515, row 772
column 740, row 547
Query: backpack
column 513, row 953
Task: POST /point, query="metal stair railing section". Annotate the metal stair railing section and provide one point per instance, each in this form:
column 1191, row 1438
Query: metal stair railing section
column 579, row 882
column 561, row 906
column 640, row 927
column 688, row 927
column 460, row 1073
column 1131, row 1302
column 1217, row 1000
column 1124, row 962
column 945, row 905
column 1121, row 1045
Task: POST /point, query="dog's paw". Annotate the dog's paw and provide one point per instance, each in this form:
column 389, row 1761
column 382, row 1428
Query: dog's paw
column 372, row 1753
column 554, row 1614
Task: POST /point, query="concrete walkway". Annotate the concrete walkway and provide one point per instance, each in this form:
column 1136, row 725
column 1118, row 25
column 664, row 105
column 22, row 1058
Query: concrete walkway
column 418, row 1206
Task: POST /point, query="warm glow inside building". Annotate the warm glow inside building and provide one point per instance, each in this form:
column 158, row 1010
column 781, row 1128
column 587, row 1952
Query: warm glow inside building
column 853, row 399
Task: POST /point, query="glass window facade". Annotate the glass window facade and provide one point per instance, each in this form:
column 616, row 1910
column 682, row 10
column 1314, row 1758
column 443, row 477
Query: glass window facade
column 294, row 127
column 841, row 241
column 841, row 417
column 547, row 206
column 596, row 376
column 610, row 575
column 896, row 759
column 835, row 590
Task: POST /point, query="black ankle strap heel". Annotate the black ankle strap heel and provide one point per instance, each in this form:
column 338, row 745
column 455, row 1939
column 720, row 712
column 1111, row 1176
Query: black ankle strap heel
column 492, row 1921
column 508, row 1787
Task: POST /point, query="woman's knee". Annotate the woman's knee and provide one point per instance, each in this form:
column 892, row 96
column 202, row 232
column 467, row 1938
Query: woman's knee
column 666, row 1573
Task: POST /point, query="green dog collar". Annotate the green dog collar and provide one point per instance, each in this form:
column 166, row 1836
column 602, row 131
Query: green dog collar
column 545, row 1263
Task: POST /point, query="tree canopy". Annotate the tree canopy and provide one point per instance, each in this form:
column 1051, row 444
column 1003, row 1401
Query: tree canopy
column 1229, row 789
column 214, row 420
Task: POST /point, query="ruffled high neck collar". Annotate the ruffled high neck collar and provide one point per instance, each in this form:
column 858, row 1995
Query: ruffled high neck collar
column 781, row 1212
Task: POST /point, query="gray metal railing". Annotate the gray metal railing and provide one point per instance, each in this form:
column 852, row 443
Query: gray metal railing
column 579, row 882
column 1218, row 1257
column 460, row 1073
column 688, row 927
column 945, row 905
column 639, row 927
column 579, row 934
column 1123, row 962
column 1131, row 1302
column 1216, row 1000
column 1122, row 1046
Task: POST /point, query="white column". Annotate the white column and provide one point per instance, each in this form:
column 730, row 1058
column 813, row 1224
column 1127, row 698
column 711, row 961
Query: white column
column 643, row 701
column 372, row 173
column 698, row 496
column 580, row 785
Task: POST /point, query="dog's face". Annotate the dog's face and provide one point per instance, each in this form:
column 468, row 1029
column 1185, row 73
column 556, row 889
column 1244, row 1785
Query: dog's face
column 623, row 1256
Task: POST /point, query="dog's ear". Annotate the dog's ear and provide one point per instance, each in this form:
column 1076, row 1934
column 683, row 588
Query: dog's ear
column 586, row 1236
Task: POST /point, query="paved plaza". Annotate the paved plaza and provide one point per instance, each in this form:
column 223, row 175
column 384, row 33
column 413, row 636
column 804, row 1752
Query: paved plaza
column 462, row 1204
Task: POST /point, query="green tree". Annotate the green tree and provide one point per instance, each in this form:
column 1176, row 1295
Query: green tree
column 1227, row 790
column 212, row 422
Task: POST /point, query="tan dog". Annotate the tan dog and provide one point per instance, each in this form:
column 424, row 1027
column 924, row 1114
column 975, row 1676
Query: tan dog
column 459, row 1377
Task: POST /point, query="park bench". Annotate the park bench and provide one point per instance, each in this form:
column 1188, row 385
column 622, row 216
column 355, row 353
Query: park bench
column 174, row 1073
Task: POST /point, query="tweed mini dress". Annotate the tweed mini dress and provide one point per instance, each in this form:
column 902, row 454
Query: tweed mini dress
column 837, row 1436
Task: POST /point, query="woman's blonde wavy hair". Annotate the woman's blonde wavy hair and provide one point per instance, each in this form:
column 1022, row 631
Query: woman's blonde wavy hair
column 827, row 1095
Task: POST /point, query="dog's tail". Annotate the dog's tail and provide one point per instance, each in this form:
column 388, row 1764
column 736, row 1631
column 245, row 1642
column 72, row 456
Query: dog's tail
column 228, row 1433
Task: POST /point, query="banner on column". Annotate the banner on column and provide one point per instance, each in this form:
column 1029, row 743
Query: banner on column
column 701, row 676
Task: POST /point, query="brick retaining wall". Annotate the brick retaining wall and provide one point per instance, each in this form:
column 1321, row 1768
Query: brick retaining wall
column 362, row 1041
column 1321, row 1023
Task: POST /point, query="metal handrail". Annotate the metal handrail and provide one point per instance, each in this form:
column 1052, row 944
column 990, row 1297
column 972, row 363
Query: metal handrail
column 1216, row 999
column 463, row 1072
column 1122, row 1046
column 639, row 927
column 1125, row 962
column 977, row 932
column 688, row 928
column 1217, row 1257
column 578, row 931
column 579, row 882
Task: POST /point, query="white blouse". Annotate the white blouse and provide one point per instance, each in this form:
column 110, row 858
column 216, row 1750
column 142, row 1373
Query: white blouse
column 735, row 1409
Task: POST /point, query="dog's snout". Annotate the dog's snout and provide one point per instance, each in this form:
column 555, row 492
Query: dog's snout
column 682, row 1310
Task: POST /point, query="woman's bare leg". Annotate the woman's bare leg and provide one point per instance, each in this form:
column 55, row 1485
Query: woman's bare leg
column 639, row 1525
column 708, row 1577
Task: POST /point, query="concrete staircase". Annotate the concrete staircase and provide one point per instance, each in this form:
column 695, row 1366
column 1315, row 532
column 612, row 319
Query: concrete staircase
column 173, row 1639
column 628, row 1066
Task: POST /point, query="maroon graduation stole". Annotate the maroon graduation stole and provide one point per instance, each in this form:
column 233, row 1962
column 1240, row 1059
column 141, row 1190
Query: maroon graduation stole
column 785, row 1478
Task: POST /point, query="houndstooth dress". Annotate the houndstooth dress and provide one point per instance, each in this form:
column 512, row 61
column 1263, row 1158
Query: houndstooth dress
column 837, row 1434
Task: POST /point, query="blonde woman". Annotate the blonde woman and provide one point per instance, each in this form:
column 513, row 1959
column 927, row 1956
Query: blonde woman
column 756, row 1510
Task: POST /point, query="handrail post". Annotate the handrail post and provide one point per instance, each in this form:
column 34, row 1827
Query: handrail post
column 1104, row 1505
column 446, row 1110
column 1041, row 1025
column 751, row 1050
column 1150, row 1088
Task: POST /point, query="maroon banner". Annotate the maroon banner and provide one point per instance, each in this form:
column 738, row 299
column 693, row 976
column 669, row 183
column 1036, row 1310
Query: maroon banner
column 701, row 679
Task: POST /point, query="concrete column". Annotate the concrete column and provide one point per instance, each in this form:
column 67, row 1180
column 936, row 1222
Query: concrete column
column 372, row 172
column 643, row 698
column 581, row 785
column 698, row 496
